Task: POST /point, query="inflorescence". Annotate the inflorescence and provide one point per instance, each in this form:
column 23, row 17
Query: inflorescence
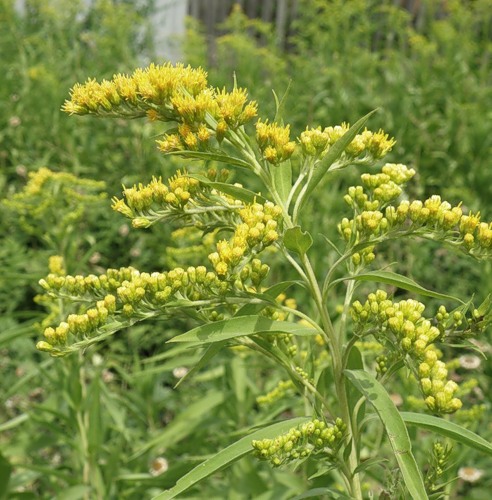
column 315, row 437
column 378, row 216
column 402, row 329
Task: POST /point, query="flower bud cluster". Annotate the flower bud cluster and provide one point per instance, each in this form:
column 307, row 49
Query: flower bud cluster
column 300, row 442
column 438, row 464
column 379, row 189
column 434, row 218
column 142, row 203
column 56, row 265
column 257, row 230
column 124, row 294
column 252, row 273
column 373, row 145
column 461, row 324
column 282, row 388
column 472, row 415
column 402, row 326
column 274, row 142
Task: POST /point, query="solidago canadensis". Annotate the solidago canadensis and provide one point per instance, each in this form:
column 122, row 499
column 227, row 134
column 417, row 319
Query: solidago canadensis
column 229, row 296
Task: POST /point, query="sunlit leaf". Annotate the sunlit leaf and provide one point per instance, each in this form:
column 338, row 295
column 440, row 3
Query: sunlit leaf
column 241, row 326
column 448, row 429
column 397, row 433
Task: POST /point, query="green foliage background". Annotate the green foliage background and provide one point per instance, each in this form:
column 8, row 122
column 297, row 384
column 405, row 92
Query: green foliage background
column 432, row 83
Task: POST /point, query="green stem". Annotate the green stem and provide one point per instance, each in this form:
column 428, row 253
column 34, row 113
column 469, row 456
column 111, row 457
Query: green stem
column 83, row 425
column 338, row 375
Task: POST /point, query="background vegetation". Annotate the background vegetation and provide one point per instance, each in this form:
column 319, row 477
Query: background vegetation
column 104, row 419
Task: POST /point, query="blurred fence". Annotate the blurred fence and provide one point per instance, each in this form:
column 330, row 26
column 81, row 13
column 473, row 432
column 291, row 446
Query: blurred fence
column 282, row 12
column 167, row 17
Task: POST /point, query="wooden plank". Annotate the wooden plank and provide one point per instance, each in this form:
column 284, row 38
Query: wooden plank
column 281, row 22
column 267, row 10
column 194, row 8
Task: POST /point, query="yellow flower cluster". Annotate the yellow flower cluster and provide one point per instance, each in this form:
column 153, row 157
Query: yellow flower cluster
column 257, row 230
column 123, row 294
column 275, row 394
column 145, row 203
column 316, row 142
column 167, row 93
column 311, row 438
column 50, row 197
column 146, row 89
column 234, row 109
column 274, row 142
column 414, row 338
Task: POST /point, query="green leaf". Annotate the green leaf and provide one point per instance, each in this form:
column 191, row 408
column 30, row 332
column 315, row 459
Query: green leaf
column 237, row 192
column 282, row 179
column 227, row 456
column 332, row 245
column 370, row 462
column 448, row 429
column 400, row 281
column 484, row 307
column 184, row 424
column 397, row 433
column 280, row 104
column 95, row 432
column 335, row 152
column 210, row 156
column 297, row 240
column 5, row 472
column 241, row 326
column 14, row 422
column 355, row 362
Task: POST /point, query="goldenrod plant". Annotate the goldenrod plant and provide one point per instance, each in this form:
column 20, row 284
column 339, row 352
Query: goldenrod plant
column 339, row 359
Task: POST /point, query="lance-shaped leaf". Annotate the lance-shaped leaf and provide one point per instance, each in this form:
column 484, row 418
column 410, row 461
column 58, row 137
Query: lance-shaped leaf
column 400, row 281
column 241, row 326
column 335, row 152
column 212, row 156
column 227, row 456
column 395, row 427
column 282, row 179
column 448, row 429
column 237, row 192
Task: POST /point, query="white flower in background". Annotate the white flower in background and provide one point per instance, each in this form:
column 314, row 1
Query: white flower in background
column 97, row 360
column 180, row 371
column 158, row 466
column 469, row 361
column 470, row 474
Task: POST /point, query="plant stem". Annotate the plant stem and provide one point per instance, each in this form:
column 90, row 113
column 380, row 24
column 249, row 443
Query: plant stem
column 338, row 375
column 83, row 425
